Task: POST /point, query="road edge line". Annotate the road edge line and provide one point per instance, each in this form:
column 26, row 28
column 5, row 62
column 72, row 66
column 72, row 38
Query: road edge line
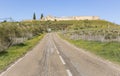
column 62, row 60
column 69, row 73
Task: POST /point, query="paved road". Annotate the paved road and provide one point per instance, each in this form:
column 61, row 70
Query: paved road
column 56, row 57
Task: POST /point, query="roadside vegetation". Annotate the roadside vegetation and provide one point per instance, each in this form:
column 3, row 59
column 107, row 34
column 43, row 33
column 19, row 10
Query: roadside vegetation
column 95, row 30
column 16, row 51
column 12, row 33
column 16, row 38
column 97, row 36
column 107, row 50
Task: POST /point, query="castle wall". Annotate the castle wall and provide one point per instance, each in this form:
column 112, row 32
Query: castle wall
column 51, row 18
column 87, row 18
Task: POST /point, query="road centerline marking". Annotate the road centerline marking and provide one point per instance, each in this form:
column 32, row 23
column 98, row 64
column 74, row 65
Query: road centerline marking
column 56, row 48
column 69, row 73
column 67, row 70
column 62, row 60
column 57, row 52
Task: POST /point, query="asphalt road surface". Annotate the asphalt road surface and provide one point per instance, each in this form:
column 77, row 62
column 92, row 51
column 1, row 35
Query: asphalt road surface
column 56, row 57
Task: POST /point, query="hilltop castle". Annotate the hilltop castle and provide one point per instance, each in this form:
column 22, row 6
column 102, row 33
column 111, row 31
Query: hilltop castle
column 52, row 18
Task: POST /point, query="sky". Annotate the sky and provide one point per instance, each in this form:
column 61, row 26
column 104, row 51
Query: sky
column 24, row 9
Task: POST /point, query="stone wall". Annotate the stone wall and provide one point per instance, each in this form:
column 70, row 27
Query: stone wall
column 52, row 18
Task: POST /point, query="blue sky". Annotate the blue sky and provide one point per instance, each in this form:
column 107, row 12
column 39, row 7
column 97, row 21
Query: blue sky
column 24, row 9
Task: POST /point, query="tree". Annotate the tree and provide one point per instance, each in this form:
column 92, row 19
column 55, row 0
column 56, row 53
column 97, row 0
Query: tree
column 55, row 19
column 41, row 16
column 5, row 21
column 34, row 16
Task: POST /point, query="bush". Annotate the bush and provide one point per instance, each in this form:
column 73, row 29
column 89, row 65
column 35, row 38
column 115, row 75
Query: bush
column 12, row 33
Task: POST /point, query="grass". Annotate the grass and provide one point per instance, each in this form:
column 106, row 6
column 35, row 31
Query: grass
column 107, row 50
column 17, row 51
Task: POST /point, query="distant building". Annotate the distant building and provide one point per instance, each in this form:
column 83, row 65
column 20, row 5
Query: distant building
column 52, row 18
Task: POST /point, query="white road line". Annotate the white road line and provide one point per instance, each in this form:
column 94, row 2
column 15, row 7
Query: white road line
column 56, row 48
column 62, row 60
column 8, row 69
column 57, row 52
column 69, row 73
column 54, row 45
column 12, row 66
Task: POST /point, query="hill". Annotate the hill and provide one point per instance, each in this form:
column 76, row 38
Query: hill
column 96, row 30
